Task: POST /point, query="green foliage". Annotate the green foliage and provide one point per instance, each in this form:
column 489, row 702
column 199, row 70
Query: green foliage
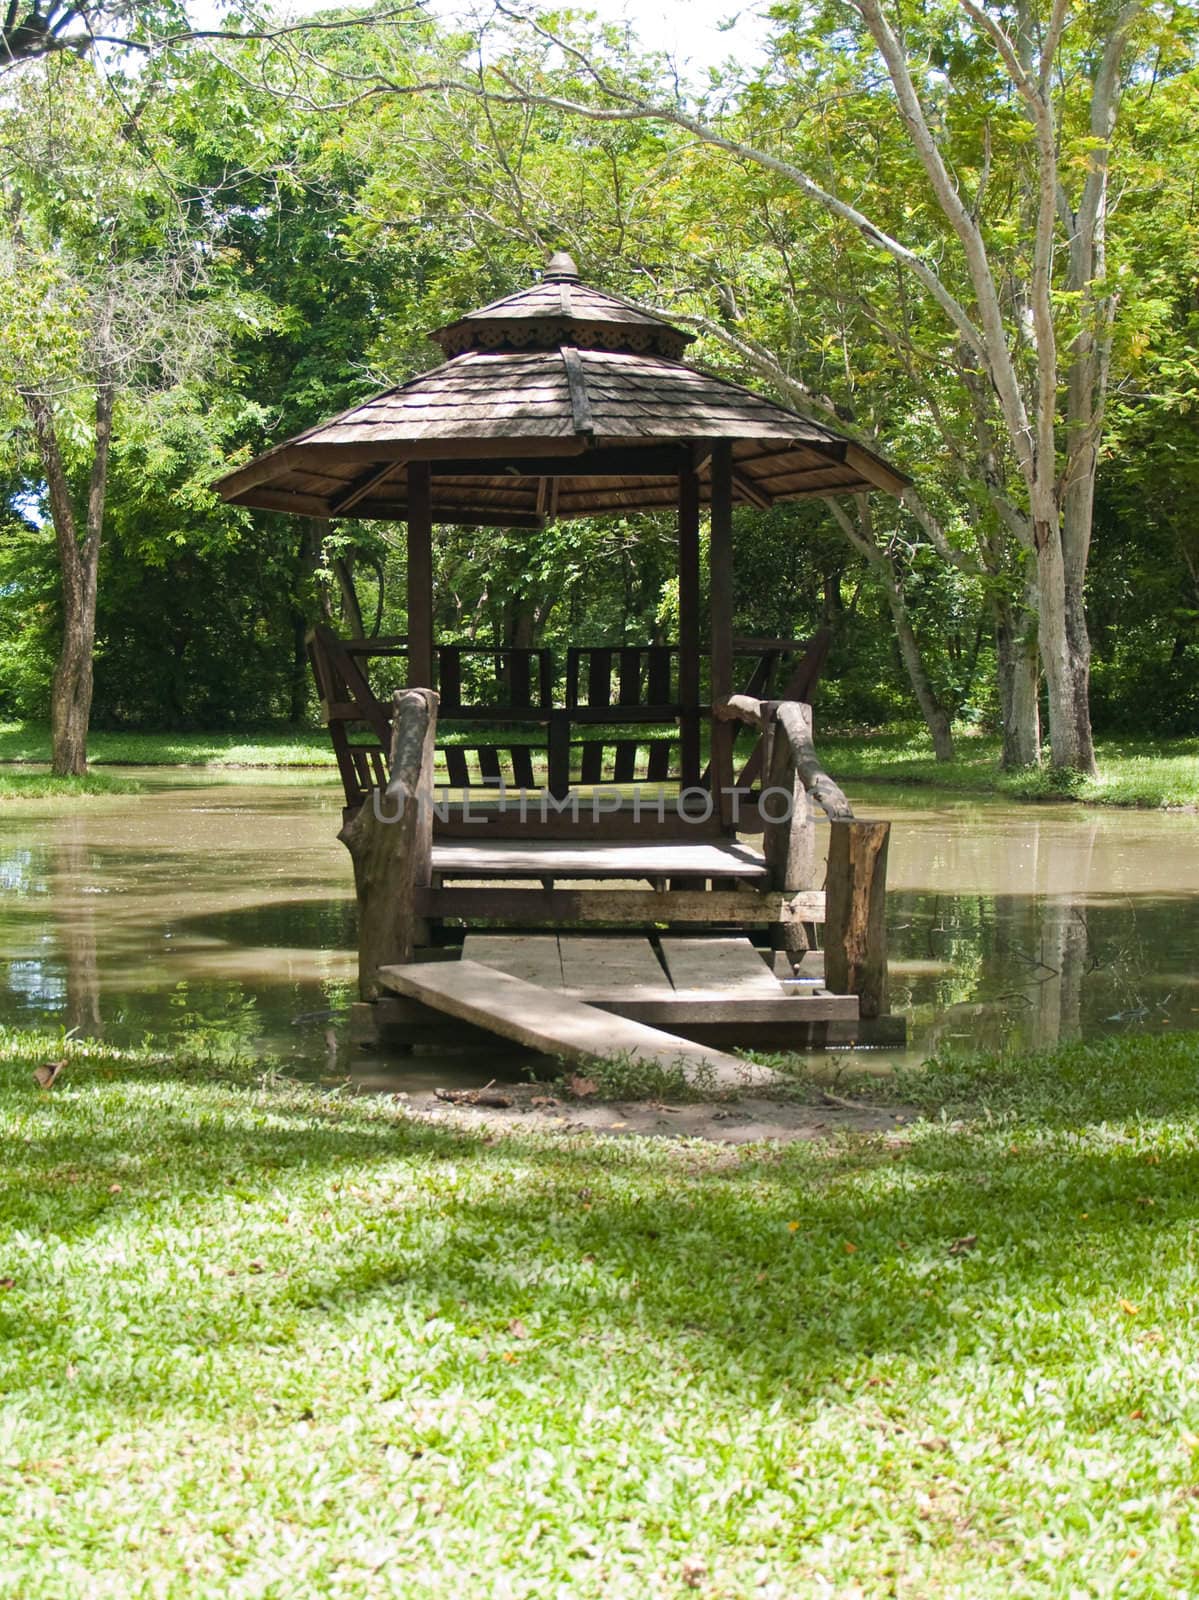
column 333, row 242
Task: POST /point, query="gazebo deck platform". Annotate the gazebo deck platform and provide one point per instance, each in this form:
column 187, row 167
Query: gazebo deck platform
column 545, row 859
column 550, row 883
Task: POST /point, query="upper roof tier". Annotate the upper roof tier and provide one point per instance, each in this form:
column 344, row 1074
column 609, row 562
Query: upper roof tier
column 561, row 310
column 558, row 401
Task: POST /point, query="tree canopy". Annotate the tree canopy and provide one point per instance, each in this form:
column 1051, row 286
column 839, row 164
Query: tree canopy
column 964, row 232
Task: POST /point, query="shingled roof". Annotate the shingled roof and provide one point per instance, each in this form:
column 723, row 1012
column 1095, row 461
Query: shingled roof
column 557, row 401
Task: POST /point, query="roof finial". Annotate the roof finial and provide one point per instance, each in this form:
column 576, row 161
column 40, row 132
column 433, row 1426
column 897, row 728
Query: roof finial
column 561, row 269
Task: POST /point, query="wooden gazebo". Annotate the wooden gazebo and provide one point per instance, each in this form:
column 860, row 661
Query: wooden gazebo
column 565, row 401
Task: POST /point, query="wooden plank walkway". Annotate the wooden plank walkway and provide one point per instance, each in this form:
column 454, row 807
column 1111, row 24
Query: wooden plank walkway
column 555, row 1024
column 700, row 981
column 720, row 968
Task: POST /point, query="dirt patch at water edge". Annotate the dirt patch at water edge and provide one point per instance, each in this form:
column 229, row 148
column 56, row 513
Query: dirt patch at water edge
column 741, row 1121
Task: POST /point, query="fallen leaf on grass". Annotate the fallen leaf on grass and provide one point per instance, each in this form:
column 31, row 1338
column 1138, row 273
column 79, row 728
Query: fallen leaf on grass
column 517, row 1329
column 694, row 1571
column 46, row 1076
column 1129, row 1310
column 850, row 1249
column 582, row 1087
column 964, row 1245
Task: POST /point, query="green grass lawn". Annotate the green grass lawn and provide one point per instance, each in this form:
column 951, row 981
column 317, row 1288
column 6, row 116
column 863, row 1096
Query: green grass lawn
column 265, row 1340
column 30, row 741
column 1142, row 772
column 44, row 786
column 1133, row 772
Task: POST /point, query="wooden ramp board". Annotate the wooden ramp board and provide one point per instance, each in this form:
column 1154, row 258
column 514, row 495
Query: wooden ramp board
column 558, row 1025
column 564, row 858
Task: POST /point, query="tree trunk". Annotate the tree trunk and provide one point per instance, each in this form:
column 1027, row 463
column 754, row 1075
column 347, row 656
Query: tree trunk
column 860, row 534
column 935, row 716
column 1065, row 651
column 79, row 566
column 1078, row 510
column 1019, row 676
column 351, row 610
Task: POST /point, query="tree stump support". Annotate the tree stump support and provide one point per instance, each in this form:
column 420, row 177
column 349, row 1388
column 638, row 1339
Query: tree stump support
column 855, row 928
column 390, row 840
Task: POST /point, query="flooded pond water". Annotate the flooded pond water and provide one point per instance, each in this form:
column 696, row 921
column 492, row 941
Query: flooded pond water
column 221, row 910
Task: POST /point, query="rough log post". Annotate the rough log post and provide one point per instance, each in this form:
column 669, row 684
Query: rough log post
column 855, row 930
column 788, row 836
column 795, row 721
column 793, row 773
column 390, row 839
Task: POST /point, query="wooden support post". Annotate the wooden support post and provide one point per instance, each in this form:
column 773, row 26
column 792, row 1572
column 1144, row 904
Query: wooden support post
column 559, row 754
column 855, row 931
column 420, row 577
column 720, row 583
column 689, row 626
column 390, row 838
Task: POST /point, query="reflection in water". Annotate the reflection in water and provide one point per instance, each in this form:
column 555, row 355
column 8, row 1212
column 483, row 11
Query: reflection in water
column 223, row 912
column 73, row 903
column 1026, row 926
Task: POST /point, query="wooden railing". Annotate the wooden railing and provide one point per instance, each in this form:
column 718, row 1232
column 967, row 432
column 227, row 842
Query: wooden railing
column 855, row 934
column 619, row 703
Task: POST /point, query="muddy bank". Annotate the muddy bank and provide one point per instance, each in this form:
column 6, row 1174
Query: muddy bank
column 736, row 1121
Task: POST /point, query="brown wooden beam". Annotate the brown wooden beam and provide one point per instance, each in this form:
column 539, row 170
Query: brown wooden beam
column 651, row 461
column 875, row 471
column 749, row 490
column 689, row 625
column 720, row 644
column 280, row 459
column 462, row 516
column 420, row 578
column 363, row 485
column 313, row 452
column 300, row 505
column 580, row 400
column 619, row 907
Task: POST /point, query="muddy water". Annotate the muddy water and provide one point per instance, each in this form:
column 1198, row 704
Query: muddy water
column 221, row 912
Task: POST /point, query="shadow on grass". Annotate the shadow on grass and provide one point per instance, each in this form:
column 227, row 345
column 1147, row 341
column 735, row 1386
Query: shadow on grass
column 758, row 1267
